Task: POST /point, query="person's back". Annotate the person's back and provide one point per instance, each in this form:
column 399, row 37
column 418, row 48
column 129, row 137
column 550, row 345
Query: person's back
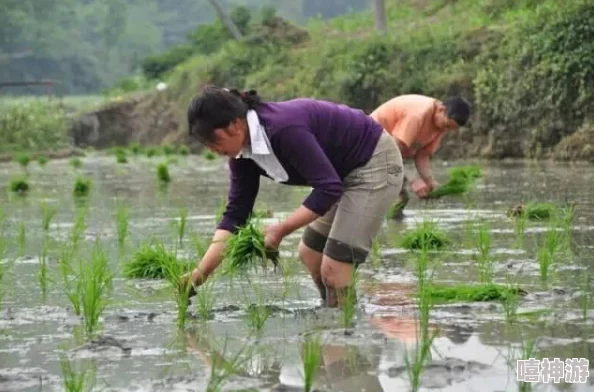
column 347, row 136
column 410, row 119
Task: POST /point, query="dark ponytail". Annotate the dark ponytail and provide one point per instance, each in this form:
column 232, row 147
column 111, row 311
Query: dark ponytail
column 217, row 107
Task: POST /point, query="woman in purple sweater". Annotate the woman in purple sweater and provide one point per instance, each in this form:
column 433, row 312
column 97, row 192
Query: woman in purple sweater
column 353, row 166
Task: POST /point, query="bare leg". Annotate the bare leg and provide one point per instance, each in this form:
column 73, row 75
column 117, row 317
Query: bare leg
column 313, row 261
column 337, row 277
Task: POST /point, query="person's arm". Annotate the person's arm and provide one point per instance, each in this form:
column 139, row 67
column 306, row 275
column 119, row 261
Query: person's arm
column 423, row 162
column 300, row 147
column 245, row 183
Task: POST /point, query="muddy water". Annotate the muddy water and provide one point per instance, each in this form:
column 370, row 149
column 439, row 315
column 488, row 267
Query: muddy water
column 141, row 349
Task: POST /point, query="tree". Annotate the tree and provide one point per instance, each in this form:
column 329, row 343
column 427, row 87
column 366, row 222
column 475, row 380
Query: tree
column 379, row 10
column 226, row 19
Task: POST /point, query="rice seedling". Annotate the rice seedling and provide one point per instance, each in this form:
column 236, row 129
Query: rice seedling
column 547, row 250
column 42, row 276
column 75, row 380
column 427, row 234
column 205, row 298
column 94, row 279
column 533, row 211
column 527, row 351
column 120, row 154
column 483, row 247
column 69, row 279
column 221, row 369
column 181, row 225
column 172, row 271
column 349, row 302
column 121, row 217
column 520, row 230
column 168, row 149
column 163, row 173
column 82, row 187
column 152, row 151
column 75, row 162
column 183, row 150
column 22, row 239
column 511, row 300
column 245, row 248
column 79, row 227
column 23, row 159
column 150, row 262
column 19, row 186
column 209, row 155
column 200, row 244
column 312, row 359
column 259, row 312
column 460, row 181
column 42, row 160
column 135, row 148
column 47, row 214
column 425, row 337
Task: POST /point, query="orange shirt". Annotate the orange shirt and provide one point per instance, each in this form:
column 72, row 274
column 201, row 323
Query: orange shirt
column 409, row 119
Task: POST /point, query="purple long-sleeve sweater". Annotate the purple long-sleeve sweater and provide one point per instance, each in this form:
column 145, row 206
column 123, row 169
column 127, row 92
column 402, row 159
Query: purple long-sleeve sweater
column 318, row 143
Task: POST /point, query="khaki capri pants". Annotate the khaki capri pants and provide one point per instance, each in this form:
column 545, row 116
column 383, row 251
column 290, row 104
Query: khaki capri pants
column 346, row 231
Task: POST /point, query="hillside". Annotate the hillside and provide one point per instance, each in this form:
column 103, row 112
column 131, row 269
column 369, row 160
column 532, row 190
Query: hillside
column 527, row 67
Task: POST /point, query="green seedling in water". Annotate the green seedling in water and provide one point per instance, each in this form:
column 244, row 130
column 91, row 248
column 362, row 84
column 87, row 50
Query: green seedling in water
column 79, row 227
column 205, row 298
column 510, row 301
column 181, row 225
column 120, row 154
column 76, row 162
column 135, row 148
column 42, row 160
column 547, row 251
column 20, row 186
column 312, row 359
column 520, row 230
column 163, row 173
column 425, row 337
column 209, row 155
column 22, row 239
column 168, row 149
column 121, row 217
column 349, row 302
column 75, row 381
column 150, row 261
column 152, row 151
column 245, row 248
column 483, row 247
column 82, row 187
column 471, row 293
column 173, row 270
column 183, row 150
column 95, row 280
column 259, row 312
column 23, row 159
column 43, row 270
column 221, row 369
column 533, row 211
column 69, row 278
column 427, row 235
column 47, row 214
column 527, row 351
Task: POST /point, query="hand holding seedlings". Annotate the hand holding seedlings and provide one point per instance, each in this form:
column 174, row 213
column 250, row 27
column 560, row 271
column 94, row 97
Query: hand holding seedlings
column 274, row 235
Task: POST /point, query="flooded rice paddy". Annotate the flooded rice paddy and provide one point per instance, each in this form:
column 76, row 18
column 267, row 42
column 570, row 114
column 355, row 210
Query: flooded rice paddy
column 139, row 346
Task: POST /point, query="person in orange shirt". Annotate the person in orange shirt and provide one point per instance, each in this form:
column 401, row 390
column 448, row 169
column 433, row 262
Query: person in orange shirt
column 418, row 124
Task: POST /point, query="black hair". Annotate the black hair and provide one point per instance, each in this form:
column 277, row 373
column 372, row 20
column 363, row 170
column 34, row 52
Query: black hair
column 215, row 107
column 458, row 109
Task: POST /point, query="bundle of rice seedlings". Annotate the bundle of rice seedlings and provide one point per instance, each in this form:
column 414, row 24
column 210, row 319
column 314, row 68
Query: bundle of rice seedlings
column 150, row 262
column 532, row 211
column 473, row 293
column 461, row 179
column 425, row 236
column 245, row 248
column 82, row 187
column 19, row 185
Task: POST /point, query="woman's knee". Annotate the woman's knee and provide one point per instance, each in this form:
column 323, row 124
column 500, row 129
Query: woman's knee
column 336, row 274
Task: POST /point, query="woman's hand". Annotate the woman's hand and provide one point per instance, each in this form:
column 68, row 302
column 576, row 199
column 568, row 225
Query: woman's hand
column 274, row 235
column 420, row 188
